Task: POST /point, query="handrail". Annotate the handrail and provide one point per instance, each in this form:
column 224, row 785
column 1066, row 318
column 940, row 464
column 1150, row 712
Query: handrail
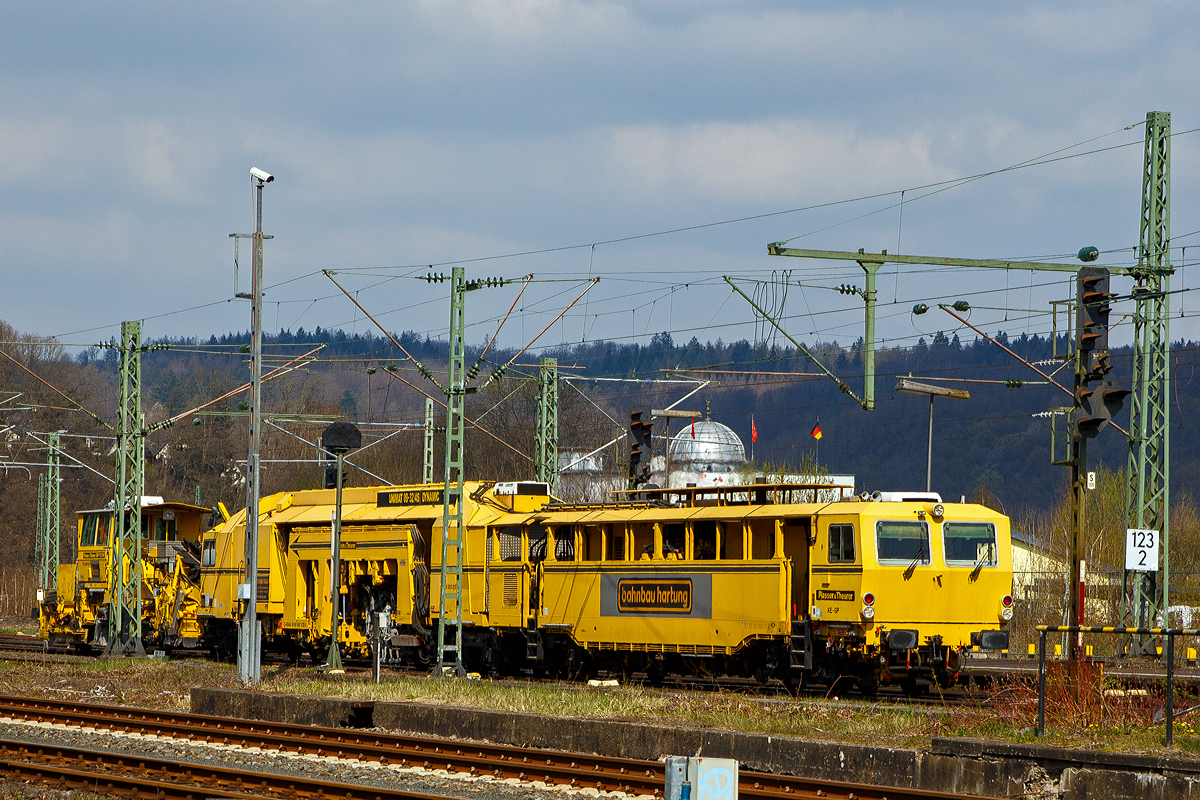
column 1170, row 633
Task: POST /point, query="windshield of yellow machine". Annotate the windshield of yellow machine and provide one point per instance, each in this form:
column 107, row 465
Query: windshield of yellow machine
column 969, row 544
column 902, row 541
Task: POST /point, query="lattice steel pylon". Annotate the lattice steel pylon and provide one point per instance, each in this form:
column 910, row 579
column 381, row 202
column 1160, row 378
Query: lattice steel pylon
column 452, row 508
column 427, row 461
column 48, row 519
column 39, row 542
column 125, row 578
column 546, row 446
column 1147, row 498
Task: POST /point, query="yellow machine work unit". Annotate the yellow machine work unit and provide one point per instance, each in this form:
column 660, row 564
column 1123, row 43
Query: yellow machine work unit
column 773, row 581
column 78, row 613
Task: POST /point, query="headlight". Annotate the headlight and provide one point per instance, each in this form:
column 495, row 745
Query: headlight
column 939, row 510
column 41, row 595
column 1006, row 613
column 868, row 612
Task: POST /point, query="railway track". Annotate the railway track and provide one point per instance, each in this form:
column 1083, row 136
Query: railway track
column 554, row 768
column 72, row 768
column 29, row 644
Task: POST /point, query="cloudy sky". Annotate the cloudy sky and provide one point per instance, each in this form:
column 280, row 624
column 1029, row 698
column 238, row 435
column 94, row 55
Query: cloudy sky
column 514, row 136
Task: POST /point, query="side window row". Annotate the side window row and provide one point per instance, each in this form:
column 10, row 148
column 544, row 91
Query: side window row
column 706, row 539
column 965, row 543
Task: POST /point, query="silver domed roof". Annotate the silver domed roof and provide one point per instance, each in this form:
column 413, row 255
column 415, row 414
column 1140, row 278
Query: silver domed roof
column 713, row 444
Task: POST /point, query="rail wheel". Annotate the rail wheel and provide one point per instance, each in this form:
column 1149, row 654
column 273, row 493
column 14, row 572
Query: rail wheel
column 655, row 674
column 868, row 684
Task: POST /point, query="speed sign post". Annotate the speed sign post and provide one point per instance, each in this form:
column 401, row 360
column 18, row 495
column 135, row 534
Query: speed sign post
column 1141, row 550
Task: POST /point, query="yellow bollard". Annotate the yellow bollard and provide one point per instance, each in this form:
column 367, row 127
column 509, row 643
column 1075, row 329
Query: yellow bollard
column 1033, row 649
column 1058, row 649
column 1088, row 651
column 1191, row 651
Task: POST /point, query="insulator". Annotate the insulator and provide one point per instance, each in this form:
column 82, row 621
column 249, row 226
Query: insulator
column 1013, row 383
column 961, row 305
column 920, row 308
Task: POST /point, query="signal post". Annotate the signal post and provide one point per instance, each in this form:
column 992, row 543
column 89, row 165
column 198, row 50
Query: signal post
column 1098, row 399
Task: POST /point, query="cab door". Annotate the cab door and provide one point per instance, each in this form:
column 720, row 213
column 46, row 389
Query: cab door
column 796, row 531
column 837, row 569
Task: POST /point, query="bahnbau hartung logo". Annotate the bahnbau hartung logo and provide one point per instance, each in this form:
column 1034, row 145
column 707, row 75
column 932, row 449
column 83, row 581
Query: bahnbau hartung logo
column 665, row 595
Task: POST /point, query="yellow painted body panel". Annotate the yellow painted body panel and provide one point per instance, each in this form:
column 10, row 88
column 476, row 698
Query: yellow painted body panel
column 950, row 601
column 169, row 544
column 699, row 580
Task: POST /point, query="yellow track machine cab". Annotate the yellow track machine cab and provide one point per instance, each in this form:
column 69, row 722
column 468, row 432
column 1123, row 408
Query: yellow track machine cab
column 78, row 612
column 907, row 582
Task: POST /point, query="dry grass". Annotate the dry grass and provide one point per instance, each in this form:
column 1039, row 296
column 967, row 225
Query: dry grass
column 1095, row 719
column 1099, row 719
column 141, row 682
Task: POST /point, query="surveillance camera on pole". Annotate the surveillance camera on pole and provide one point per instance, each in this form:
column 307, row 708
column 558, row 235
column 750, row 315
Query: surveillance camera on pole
column 250, row 631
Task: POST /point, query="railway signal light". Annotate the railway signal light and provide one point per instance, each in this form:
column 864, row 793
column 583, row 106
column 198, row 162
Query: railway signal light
column 1098, row 405
column 1093, row 308
column 1098, row 398
column 331, row 481
column 641, row 421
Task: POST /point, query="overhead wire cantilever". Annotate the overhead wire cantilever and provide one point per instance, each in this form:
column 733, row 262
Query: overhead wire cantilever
column 867, row 404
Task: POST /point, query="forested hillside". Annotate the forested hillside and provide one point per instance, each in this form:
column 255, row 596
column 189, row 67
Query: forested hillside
column 993, row 443
column 992, row 447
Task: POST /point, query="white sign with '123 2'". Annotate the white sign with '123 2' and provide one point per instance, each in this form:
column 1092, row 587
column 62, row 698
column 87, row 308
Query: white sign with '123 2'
column 1141, row 550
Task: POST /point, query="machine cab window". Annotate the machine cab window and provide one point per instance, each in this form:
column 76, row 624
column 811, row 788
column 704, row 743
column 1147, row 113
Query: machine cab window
column 564, row 543
column 841, row 544
column 902, row 542
column 209, row 556
column 969, row 544
column 95, row 530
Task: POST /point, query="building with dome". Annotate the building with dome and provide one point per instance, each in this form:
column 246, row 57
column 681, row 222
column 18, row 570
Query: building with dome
column 711, row 454
column 705, row 453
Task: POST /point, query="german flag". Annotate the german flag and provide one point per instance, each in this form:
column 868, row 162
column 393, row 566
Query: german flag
column 816, row 432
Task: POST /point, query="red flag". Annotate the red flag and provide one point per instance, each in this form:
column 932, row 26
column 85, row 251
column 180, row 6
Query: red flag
column 693, row 429
column 753, row 431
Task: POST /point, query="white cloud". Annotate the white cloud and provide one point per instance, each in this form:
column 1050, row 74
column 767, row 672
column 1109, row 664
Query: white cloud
column 769, row 161
column 29, row 147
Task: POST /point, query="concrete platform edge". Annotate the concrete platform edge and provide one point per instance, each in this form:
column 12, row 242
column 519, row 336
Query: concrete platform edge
column 964, row 766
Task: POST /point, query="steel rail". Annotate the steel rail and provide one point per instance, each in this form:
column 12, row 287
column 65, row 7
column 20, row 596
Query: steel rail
column 501, row 761
column 102, row 772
